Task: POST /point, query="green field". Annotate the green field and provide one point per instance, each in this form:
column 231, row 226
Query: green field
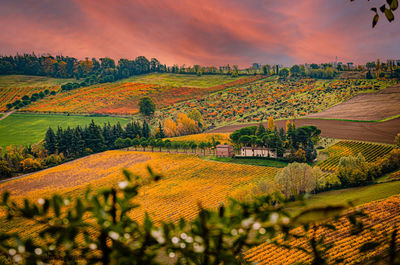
column 22, row 129
column 357, row 195
column 181, row 80
column 13, row 87
column 250, row 161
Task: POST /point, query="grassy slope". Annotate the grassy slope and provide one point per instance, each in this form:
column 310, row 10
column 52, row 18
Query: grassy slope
column 14, row 87
column 358, row 195
column 181, row 80
column 21, row 129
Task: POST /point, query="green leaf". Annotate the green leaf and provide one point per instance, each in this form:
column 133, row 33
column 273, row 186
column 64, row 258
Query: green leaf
column 389, row 15
column 6, row 195
column 368, row 246
column 394, row 5
column 375, row 20
column 147, row 224
column 382, row 8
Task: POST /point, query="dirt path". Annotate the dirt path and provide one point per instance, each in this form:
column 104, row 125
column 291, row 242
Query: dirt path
column 6, row 114
column 382, row 132
column 366, row 107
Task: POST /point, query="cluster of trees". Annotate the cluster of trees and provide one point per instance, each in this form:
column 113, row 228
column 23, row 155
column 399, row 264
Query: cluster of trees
column 185, row 124
column 78, row 141
column 355, row 171
column 68, row 67
column 93, row 71
column 299, row 178
column 325, row 72
column 300, row 141
column 26, row 100
column 20, row 159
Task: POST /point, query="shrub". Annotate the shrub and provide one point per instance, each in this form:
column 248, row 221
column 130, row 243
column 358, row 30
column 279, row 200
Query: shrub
column 353, row 171
column 298, row 178
column 30, row 164
column 5, row 171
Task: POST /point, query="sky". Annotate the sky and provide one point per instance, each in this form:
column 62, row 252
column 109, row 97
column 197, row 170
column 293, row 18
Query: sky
column 205, row 32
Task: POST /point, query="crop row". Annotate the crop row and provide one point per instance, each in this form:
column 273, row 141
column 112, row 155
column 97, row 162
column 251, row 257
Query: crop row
column 370, row 151
column 187, row 181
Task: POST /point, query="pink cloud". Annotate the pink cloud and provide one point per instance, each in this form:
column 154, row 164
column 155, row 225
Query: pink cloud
column 199, row 32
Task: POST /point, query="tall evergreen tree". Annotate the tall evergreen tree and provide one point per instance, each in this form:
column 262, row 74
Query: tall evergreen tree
column 145, row 130
column 95, row 140
column 50, row 142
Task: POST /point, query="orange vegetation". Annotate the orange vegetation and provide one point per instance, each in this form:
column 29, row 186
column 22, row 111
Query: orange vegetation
column 187, row 180
column 122, row 98
column 203, row 137
column 383, row 218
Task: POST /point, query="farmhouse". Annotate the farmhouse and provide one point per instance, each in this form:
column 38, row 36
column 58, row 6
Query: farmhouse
column 225, row 150
column 259, row 152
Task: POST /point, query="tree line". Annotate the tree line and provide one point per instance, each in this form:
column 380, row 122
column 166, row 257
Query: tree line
column 78, row 141
column 26, row 100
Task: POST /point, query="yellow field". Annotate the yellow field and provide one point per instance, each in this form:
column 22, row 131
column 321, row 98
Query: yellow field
column 203, row 137
column 187, row 181
column 383, row 218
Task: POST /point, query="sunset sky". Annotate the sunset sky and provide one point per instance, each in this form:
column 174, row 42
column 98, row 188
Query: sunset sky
column 206, row 32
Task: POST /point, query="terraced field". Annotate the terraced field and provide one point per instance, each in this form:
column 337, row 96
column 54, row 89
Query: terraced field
column 370, row 151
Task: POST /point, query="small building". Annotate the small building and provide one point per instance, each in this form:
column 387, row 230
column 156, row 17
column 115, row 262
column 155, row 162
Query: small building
column 225, row 150
column 259, row 152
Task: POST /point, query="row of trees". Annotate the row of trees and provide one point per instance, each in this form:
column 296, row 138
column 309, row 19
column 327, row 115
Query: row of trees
column 26, row 100
column 300, row 140
column 170, row 146
column 70, row 143
column 69, row 67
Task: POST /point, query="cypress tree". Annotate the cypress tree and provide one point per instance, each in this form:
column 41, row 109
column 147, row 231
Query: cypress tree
column 95, row 140
column 145, row 130
column 50, row 142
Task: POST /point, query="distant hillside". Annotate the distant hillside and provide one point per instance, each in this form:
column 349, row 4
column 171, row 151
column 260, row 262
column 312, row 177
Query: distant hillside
column 123, row 97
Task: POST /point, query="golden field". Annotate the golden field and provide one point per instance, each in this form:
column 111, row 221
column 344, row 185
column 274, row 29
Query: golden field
column 187, row 181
